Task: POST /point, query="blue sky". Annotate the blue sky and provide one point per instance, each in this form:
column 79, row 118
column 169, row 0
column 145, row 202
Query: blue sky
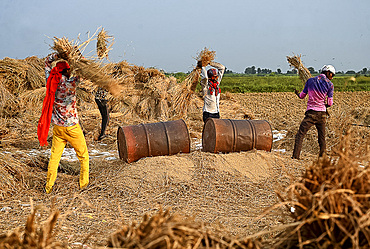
column 168, row 34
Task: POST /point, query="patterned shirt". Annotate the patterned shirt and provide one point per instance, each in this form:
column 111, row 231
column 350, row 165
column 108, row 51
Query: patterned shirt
column 64, row 108
column 318, row 88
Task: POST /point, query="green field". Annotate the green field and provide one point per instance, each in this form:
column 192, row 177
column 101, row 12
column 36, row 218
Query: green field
column 283, row 83
column 241, row 83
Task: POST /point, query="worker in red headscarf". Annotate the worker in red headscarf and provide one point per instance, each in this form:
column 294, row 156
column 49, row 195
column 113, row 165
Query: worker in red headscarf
column 210, row 81
column 59, row 107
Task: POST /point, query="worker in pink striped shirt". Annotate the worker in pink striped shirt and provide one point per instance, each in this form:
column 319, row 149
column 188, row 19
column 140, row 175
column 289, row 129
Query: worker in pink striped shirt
column 320, row 91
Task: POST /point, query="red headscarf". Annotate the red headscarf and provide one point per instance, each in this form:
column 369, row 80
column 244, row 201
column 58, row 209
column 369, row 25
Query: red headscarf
column 47, row 105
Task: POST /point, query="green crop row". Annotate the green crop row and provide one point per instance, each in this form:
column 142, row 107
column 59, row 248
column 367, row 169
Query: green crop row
column 282, row 83
column 242, row 83
column 279, row 83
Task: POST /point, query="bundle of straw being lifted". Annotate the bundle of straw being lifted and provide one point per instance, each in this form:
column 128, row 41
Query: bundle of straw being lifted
column 304, row 73
column 182, row 93
column 102, row 47
column 87, row 69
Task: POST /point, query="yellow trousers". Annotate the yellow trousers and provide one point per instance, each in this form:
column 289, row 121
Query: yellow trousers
column 75, row 136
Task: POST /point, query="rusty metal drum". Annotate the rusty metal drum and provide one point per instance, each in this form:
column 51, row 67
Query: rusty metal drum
column 154, row 139
column 226, row 135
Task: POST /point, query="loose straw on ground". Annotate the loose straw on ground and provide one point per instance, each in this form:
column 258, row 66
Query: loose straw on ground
column 164, row 230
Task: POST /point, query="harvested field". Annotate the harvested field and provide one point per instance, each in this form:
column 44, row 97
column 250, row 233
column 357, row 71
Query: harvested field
column 228, row 192
column 252, row 199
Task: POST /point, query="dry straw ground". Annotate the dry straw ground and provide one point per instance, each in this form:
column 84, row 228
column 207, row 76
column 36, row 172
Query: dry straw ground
column 238, row 200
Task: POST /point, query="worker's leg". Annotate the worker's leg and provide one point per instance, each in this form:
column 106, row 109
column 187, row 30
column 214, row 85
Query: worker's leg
column 320, row 126
column 103, row 109
column 57, row 148
column 302, row 131
column 77, row 140
column 207, row 115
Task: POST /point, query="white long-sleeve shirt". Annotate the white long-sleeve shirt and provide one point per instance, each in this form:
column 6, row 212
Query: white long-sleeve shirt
column 211, row 100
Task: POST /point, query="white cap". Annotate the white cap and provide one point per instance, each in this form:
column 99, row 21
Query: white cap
column 327, row 68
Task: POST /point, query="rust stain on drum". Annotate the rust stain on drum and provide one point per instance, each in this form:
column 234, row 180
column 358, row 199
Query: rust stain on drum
column 226, row 135
column 154, row 139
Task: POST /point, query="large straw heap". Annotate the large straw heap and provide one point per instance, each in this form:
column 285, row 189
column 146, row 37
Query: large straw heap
column 19, row 78
column 163, row 230
column 144, row 91
column 296, row 62
column 332, row 203
column 148, row 92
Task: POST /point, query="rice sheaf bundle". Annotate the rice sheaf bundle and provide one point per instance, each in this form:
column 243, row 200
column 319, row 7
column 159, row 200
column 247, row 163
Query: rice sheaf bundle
column 182, row 93
column 102, row 46
column 87, row 69
column 296, row 62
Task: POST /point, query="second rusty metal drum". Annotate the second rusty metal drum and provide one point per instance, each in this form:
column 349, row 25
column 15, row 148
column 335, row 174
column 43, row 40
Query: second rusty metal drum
column 155, row 139
column 225, row 135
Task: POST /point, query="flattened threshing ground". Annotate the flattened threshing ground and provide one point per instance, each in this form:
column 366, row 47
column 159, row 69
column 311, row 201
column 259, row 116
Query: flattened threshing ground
column 228, row 192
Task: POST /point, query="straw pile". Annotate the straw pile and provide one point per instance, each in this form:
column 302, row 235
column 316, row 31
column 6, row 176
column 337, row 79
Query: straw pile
column 332, row 202
column 304, row 73
column 33, row 236
column 16, row 78
column 147, row 92
column 152, row 95
column 163, row 230
column 104, row 44
column 21, row 75
column 11, row 175
column 144, row 90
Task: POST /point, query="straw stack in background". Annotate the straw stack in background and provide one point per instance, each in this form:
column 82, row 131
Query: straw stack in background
column 19, row 79
column 147, row 92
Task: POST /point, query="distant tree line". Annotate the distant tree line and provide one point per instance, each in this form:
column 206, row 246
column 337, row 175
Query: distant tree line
column 252, row 70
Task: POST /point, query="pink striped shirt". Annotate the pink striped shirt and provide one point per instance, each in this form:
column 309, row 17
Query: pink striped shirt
column 320, row 92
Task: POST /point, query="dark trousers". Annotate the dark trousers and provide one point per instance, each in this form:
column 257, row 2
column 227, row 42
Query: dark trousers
column 102, row 105
column 311, row 118
column 207, row 115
